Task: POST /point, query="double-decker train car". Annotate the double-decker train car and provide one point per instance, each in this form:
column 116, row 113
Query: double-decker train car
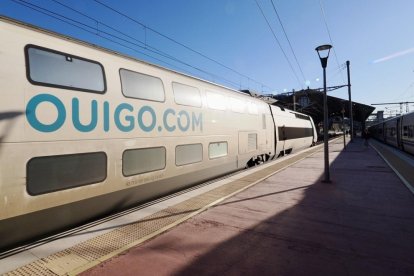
column 85, row 131
column 397, row 132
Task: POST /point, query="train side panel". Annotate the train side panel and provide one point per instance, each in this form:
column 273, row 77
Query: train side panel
column 397, row 132
column 390, row 129
column 73, row 151
column 294, row 131
column 407, row 137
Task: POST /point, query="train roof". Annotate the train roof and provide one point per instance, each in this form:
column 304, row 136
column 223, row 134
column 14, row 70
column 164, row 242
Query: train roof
column 393, row 118
column 110, row 51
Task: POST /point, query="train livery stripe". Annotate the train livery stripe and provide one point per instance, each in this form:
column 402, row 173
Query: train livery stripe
column 288, row 133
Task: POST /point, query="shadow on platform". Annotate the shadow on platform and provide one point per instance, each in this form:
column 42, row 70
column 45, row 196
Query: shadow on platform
column 360, row 224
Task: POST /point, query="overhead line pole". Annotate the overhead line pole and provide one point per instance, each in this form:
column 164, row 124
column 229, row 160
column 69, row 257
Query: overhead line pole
column 351, row 116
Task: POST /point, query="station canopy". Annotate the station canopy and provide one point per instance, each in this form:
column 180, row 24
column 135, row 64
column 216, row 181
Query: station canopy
column 310, row 102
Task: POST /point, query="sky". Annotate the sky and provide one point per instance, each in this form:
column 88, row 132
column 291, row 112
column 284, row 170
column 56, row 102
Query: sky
column 229, row 42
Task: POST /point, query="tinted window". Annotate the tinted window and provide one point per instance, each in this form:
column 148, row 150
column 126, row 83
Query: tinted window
column 218, row 149
column 141, row 86
column 263, row 121
column 187, row 154
column 287, row 133
column 186, row 95
column 51, row 68
column 237, row 105
column 252, row 107
column 138, row 161
column 52, row 173
column 216, row 101
column 405, row 131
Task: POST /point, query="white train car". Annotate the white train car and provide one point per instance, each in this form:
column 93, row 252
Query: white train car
column 391, row 133
column 294, row 130
column 85, row 131
column 407, row 135
column 397, row 132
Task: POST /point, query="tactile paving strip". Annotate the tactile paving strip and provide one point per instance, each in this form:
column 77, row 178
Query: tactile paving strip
column 91, row 252
column 403, row 169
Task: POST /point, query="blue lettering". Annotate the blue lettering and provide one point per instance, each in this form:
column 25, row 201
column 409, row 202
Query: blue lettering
column 165, row 121
column 181, row 114
column 149, row 109
column 197, row 121
column 75, row 116
column 130, row 119
column 31, row 113
column 123, row 117
column 106, row 116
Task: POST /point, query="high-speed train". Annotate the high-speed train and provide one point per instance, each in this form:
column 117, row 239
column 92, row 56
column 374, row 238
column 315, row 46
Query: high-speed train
column 397, row 132
column 85, row 131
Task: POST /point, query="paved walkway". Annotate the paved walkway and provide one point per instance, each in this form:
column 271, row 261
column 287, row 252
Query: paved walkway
column 292, row 224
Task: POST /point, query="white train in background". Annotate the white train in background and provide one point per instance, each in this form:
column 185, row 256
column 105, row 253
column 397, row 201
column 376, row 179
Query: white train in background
column 397, row 132
column 85, row 131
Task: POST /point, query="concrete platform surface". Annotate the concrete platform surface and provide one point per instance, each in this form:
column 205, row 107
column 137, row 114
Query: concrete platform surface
column 293, row 224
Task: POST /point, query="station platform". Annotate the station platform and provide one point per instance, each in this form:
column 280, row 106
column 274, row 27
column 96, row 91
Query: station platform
column 277, row 219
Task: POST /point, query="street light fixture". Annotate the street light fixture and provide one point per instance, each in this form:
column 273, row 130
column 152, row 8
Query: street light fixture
column 323, row 53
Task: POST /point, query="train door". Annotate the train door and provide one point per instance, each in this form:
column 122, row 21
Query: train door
column 274, row 132
column 386, row 132
column 248, row 145
column 399, row 133
column 282, row 138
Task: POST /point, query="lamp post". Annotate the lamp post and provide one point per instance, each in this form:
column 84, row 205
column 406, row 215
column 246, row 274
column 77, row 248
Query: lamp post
column 343, row 126
column 351, row 117
column 323, row 53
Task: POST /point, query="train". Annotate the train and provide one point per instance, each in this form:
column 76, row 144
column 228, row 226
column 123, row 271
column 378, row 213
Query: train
column 86, row 131
column 397, row 132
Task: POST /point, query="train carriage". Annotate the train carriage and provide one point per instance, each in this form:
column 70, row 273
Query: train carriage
column 85, row 131
column 397, row 132
column 407, row 132
column 391, row 128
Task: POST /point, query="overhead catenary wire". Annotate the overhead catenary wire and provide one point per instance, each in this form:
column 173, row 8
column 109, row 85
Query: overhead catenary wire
column 65, row 20
column 144, row 45
column 329, row 34
column 92, row 30
column 280, row 46
column 338, row 70
column 400, row 96
column 288, row 40
column 55, row 16
column 179, row 43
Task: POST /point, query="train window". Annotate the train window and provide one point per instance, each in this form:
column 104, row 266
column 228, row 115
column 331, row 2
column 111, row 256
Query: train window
column 217, row 150
column 186, row 95
column 289, row 133
column 141, row 86
column 264, row 121
column 405, row 131
column 300, row 116
column 252, row 108
column 51, row 68
column 410, row 131
column 53, row 173
column 237, row 105
column 137, row 161
column 188, row 154
column 252, row 142
column 216, row 101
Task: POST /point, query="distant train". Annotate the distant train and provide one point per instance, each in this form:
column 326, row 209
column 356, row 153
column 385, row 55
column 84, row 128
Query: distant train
column 85, row 131
column 397, row 132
